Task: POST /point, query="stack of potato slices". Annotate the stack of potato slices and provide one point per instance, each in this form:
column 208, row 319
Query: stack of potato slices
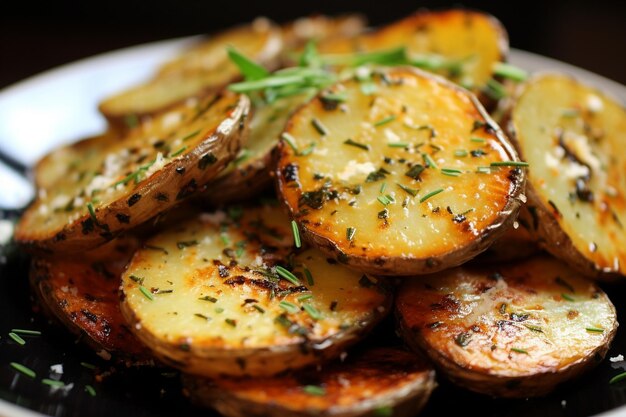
column 265, row 201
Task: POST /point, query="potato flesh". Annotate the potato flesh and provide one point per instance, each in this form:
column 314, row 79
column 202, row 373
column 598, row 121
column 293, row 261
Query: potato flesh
column 592, row 128
column 102, row 175
column 519, row 320
column 475, row 40
column 233, row 322
column 469, row 204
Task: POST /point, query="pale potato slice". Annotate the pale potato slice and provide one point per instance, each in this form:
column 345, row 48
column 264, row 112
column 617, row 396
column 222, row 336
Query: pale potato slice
column 83, row 295
column 201, row 68
column 410, row 179
column 461, row 45
column 515, row 330
column 249, row 173
column 207, row 297
column 133, row 179
column 573, row 136
column 373, row 382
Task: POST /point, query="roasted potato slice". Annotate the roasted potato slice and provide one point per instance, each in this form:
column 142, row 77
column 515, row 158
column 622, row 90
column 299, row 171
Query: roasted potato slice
column 572, row 135
column 212, row 297
column 372, row 382
column 515, row 330
column 461, row 45
column 83, row 295
column 133, row 179
column 203, row 67
column 410, row 179
column 249, row 173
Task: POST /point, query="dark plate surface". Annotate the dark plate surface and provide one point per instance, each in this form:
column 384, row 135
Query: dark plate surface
column 122, row 391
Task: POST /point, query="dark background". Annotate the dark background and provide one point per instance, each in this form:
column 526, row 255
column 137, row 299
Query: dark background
column 35, row 36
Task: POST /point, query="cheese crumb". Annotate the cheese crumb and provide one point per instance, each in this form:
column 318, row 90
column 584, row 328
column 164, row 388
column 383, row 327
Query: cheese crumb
column 57, row 369
column 618, row 358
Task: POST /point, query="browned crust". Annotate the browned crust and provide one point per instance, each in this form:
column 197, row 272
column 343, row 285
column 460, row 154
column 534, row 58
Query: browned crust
column 397, row 266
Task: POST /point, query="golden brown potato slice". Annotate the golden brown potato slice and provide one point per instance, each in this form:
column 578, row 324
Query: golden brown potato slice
column 249, row 173
column 370, row 383
column 131, row 180
column 226, row 294
column 201, row 68
column 573, row 136
column 515, row 330
column 461, row 45
column 83, row 294
column 408, row 175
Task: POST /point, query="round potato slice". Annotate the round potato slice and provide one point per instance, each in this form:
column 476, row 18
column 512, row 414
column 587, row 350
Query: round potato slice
column 373, row 382
column 249, row 173
column 408, row 175
column 573, row 135
column 461, row 45
column 516, row 330
column 84, row 296
column 201, row 68
column 226, row 294
column 109, row 189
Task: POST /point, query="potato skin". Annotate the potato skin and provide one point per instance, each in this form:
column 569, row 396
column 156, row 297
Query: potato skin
column 166, row 188
column 514, row 330
column 83, row 295
column 592, row 240
column 379, row 260
column 366, row 383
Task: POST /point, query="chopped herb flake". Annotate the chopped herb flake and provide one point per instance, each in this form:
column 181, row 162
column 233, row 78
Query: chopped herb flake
column 314, row 390
column 53, row 383
column 21, row 368
column 17, row 339
column 146, row 293
column 518, row 350
column 385, row 120
column 208, row 298
column 594, row 329
column 509, row 164
column 350, row 232
column 411, row 191
column 90, row 390
column 567, row 297
column 27, row 332
column 431, row 194
column 296, row 234
column 357, row 144
column 287, row 275
column 321, row 129
column 509, row 71
column 312, row 311
column 289, row 307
